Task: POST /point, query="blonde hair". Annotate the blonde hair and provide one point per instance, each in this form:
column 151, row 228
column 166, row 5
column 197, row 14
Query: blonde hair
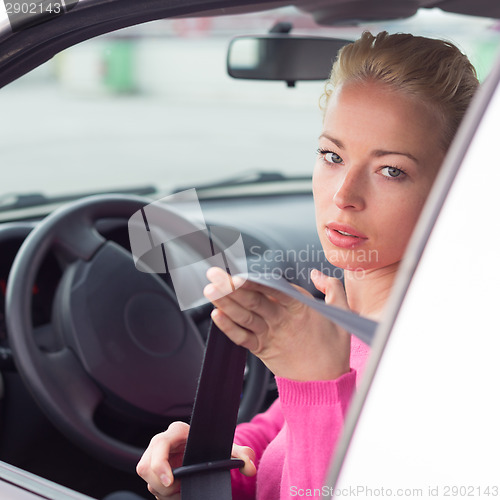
column 433, row 71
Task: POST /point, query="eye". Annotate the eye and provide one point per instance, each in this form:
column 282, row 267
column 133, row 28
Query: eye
column 330, row 156
column 392, row 172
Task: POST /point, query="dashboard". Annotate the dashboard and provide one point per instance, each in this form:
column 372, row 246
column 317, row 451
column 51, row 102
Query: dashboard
column 43, row 289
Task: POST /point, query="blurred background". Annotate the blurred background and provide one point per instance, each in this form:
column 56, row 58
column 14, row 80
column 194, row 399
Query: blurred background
column 153, row 105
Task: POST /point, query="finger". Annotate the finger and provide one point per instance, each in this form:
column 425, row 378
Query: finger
column 263, row 300
column 154, row 466
column 248, row 309
column 172, row 441
column 240, row 336
column 319, row 280
column 281, row 298
column 248, row 456
column 225, row 284
column 171, row 494
column 332, row 288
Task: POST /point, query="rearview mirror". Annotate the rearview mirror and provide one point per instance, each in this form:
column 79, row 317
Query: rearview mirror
column 282, row 57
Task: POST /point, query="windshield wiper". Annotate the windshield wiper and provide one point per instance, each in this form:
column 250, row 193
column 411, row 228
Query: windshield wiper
column 26, row 200
column 253, row 177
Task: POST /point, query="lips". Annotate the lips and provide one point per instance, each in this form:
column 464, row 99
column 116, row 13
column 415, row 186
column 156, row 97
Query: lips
column 344, row 236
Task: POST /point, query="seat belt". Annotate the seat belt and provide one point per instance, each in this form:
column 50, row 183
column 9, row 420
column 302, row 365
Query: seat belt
column 207, row 458
column 207, row 463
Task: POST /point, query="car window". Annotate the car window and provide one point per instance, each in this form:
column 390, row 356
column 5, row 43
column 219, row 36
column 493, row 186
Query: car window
column 153, row 105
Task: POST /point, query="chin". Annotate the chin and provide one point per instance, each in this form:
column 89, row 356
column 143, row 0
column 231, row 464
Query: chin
column 352, row 260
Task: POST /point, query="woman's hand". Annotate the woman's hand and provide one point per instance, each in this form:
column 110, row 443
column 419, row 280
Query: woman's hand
column 165, row 452
column 293, row 340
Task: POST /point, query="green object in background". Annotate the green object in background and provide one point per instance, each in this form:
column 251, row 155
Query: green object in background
column 485, row 57
column 118, row 66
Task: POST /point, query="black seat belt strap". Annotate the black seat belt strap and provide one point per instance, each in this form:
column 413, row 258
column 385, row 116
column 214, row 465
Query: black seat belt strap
column 207, row 457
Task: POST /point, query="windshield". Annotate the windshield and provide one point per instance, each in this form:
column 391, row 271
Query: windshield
column 153, row 105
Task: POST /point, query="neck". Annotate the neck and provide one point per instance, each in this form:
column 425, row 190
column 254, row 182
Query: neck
column 368, row 290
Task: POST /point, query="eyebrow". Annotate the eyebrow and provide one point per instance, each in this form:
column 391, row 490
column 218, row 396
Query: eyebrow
column 380, row 152
column 337, row 142
column 377, row 153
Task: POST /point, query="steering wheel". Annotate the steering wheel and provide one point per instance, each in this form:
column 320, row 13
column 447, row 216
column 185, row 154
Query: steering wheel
column 119, row 332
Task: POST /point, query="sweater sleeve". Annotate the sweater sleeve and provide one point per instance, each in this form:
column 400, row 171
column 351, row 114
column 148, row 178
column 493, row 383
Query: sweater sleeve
column 256, row 434
column 314, row 413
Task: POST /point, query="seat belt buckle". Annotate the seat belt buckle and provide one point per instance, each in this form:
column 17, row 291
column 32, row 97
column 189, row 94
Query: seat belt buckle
column 226, row 464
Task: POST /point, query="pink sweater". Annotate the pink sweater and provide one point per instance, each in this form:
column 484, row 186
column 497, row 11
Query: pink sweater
column 295, row 438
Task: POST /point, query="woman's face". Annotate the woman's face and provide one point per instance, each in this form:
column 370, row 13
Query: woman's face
column 378, row 156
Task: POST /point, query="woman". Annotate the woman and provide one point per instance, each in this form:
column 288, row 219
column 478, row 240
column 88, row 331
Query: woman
column 392, row 106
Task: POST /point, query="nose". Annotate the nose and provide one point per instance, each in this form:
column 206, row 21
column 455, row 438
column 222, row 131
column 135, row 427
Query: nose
column 350, row 193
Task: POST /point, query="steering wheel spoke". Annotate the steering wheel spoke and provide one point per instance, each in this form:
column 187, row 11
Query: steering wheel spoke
column 76, row 238
column 46, row 338
column 70, row 388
